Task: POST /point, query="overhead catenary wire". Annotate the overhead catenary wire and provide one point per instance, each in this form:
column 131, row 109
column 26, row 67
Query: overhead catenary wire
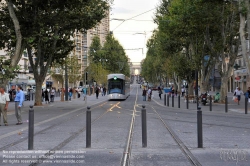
column 133, row 17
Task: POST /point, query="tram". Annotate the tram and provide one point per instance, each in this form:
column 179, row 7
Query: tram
column 118, row 86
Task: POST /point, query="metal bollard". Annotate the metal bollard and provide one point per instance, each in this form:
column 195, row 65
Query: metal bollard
column 31, row 128
column 144, row 126
column 165, row 99
column 226, row 104
column 173, row 101
column 168, row 100
column 179, row 101
column 199, row 128
column 210, row 103
column 88, row 128
column 246, row 105
column 187, row 102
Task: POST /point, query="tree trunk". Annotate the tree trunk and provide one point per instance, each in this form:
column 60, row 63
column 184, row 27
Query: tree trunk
column 62, row 94
column 18, row 48
column 38, row 94
column 191, row 88
column 223, row 90
column 242, row 31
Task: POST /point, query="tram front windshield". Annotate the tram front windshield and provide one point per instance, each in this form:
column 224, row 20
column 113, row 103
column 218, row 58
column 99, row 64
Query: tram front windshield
column 116, row 86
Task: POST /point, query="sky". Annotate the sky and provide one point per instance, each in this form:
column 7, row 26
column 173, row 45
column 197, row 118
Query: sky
column 133, row 34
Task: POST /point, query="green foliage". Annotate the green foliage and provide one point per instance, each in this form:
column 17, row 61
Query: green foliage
column 111, row 56
column 47, row 26
column 74, row 69
column 98, row 73
column 6, row 72
column 187, row 31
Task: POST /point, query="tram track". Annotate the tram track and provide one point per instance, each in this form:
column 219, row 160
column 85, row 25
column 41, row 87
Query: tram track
column 51, row 127
column 191, row 158
column 127, row 151
column 70, row 138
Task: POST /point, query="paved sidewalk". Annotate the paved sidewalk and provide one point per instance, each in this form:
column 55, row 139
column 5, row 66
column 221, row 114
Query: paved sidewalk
column 217, row 107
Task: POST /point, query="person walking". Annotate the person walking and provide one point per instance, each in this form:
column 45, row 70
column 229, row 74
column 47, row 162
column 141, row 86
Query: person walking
column 84, row 90
column 182, row 91
column 160, row 92
column 70, row 93
column 97, row 92
column 42, row 95
column 247, row 95
column 172, row 91
column 149, row 94
column 52, row 95
column 4, row 102
column 144, row 94
column 46, row 95
column 104, row 91
column 18, row 104
column 238, row 93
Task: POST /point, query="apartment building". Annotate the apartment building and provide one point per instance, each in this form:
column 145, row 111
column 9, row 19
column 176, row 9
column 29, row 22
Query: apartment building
column 241, row 76
column 83, row 42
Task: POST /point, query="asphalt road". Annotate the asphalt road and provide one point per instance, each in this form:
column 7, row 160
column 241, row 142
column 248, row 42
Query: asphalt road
column 116, row 136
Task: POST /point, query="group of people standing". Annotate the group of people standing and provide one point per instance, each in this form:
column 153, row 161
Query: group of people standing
column 4, row 102
column 46, row 95
column 146, row 93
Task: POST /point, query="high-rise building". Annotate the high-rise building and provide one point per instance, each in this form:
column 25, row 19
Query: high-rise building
column 84, row 40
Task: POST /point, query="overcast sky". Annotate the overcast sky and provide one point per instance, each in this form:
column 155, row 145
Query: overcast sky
column 127, row 32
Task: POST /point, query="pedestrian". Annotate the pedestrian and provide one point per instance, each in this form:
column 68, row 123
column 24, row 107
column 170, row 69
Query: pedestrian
column 70, row 93
column 160, row 92
column 84, row 90
column 104, row 91
column 144, row 94
column 172, row 91
column 46, row 96
column 238, row 93
column 101, row 90
column 149, row 94
column 18, row 104
column 42, row 95
column 52, row 95
column 247, row 94
column 97, row 92
column 182, row 91
column 4, row 102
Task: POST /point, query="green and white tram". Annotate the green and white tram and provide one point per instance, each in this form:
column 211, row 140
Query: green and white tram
column 118, row 86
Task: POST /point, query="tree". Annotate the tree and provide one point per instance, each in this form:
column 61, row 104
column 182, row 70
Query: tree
column 45, row 28
column 244, row 29
column 74, row 67
column 117, row 61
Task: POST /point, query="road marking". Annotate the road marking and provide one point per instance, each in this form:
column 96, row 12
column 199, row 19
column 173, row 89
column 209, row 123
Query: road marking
column 42, row 122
